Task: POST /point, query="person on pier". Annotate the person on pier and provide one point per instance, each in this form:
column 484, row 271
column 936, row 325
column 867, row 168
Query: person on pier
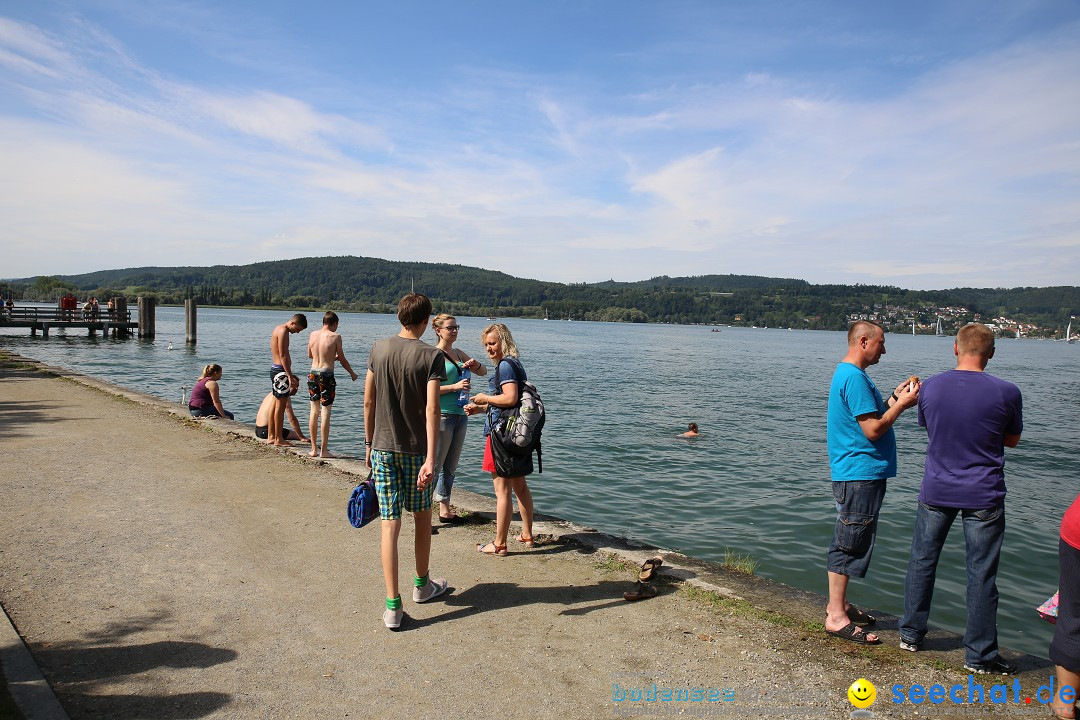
column 970, row 418
column 401, row 436
column 324, row 349
column 205, row 398
column 280, row 371
column 262, row 417
column 862, row 455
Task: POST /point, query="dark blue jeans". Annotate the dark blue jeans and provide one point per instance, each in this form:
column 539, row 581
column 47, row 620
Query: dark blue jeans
column 984, row 530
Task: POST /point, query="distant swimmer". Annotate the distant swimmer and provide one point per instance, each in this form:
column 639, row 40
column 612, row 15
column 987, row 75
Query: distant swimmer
column 691, row 432
column 324, row 348
column 280, row 371
column 262, row 418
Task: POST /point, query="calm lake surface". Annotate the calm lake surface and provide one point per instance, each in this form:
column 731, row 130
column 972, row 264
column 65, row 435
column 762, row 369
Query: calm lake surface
column 755, row 481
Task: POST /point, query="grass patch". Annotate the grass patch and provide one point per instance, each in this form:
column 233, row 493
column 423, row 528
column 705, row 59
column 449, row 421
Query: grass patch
column 613, row 564
column 745, row 564
column 742, row 608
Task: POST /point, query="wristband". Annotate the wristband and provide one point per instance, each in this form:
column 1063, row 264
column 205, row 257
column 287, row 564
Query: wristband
column 894, row 397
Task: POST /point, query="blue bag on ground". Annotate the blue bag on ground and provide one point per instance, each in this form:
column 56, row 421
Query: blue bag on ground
column 363, row 504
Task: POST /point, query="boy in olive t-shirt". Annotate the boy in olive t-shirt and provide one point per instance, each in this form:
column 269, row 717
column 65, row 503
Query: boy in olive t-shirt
column 401, row 435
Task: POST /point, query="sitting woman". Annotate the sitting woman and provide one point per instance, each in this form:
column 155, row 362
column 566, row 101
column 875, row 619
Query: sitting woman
column 205, row 401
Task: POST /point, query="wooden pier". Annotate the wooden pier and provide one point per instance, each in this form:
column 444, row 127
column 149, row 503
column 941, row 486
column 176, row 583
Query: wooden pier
column 45, row 319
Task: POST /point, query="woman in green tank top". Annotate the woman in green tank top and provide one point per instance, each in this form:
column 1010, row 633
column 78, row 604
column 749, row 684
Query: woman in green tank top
column 453, row 422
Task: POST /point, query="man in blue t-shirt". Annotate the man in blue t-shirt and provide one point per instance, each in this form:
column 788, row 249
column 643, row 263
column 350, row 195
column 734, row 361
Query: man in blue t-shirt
column 970, row 418
column 862, row 454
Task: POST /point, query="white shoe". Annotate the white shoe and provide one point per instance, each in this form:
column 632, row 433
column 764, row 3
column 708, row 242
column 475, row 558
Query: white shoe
column 392, row 618
column 433, row 588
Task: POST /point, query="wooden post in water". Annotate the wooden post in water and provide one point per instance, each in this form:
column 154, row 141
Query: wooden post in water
column 120, row 316
column 147, row 324
column 190, row 311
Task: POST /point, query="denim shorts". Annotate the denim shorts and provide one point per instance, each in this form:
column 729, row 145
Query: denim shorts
column 858, row 503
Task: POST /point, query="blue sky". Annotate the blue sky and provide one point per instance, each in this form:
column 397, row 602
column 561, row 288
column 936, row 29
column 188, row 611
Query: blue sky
column 919, row 144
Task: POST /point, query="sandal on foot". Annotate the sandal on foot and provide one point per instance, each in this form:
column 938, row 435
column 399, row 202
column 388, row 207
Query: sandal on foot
column 497, row 550
column 526, row 541
column 859, row 617
column 649, row 569
column 641, row 591
column 853, row 633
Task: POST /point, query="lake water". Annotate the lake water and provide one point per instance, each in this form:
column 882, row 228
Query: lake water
column 755, row 481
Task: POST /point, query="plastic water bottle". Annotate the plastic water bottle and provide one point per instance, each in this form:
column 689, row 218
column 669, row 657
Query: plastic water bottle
column 463, row 394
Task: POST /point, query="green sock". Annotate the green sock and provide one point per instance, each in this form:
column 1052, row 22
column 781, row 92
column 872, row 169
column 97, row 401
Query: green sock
column 393, row 603
column 420, row 582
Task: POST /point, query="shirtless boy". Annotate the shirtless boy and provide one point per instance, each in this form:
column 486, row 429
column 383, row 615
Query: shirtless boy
column 262, row 418
column 279, row 377
column 324, row 348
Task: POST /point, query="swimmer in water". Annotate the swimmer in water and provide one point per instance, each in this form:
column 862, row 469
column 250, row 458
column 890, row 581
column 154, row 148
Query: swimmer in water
column 691, row 432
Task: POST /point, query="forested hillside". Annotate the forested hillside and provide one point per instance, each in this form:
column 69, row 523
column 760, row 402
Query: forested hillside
column 374, row 285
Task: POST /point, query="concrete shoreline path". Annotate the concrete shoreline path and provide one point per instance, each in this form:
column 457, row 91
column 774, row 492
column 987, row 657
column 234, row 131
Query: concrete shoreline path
column 159, row 567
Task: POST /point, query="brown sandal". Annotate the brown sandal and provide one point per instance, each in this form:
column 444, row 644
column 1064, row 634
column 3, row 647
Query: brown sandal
column 526, row 541
column 497, row 550
column 649, row 569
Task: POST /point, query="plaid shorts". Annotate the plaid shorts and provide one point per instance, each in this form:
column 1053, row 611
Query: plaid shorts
column 395, row 483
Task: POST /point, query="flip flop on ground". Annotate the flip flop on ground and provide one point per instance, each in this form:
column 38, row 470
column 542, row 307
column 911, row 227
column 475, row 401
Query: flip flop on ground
column 854, row 633
column 649, row 569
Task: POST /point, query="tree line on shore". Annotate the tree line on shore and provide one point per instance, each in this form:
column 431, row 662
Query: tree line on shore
column 359, row 284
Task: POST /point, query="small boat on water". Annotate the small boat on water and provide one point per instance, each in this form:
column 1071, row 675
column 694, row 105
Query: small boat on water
column 715, row 330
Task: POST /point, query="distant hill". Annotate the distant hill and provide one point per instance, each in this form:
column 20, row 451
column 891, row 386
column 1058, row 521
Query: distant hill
column 374, row 285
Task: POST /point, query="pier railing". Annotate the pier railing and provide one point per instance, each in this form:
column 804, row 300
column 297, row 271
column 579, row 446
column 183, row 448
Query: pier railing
column 57, row 315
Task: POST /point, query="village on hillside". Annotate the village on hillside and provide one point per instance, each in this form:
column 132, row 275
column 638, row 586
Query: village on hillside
column 947, row 320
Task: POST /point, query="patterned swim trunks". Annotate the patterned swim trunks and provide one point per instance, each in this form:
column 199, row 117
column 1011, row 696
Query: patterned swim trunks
column 321, row 386
column 279, row 381
column 395, row 483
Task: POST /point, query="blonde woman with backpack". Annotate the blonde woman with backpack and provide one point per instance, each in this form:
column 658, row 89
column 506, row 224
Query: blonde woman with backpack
column 499, row 345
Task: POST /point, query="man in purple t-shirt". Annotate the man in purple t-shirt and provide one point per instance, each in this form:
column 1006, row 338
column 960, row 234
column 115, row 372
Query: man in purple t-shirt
column 970, row 418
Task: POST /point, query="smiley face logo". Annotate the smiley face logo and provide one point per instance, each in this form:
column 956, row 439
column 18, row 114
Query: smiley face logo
column 862, row 693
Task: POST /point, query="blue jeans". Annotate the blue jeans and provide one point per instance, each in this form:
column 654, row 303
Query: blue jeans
column 984, row 530
column 858, row 503
column 451, row 437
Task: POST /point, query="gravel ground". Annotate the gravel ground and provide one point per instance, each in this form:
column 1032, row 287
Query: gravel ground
column 159, row 567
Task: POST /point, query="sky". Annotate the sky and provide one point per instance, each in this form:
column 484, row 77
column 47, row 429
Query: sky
column 926, row 144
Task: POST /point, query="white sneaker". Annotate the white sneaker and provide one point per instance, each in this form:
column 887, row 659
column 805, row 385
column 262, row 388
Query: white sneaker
column 433, row 588
column 909, row 646
column 392, row 618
